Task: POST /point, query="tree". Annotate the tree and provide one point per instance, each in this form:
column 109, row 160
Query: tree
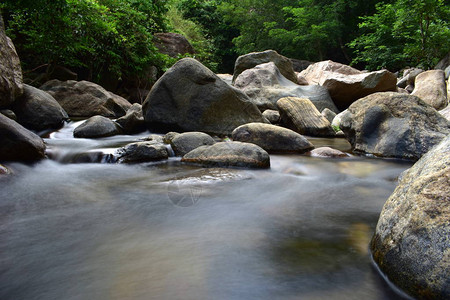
column 406, row 32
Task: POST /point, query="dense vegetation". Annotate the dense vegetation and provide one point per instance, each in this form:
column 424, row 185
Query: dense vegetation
column 98, row 37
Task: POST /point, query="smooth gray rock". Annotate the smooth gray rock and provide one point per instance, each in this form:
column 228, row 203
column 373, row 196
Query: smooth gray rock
column 142, row 152
column 9, row 113
column 188, row 141
column 431, row 88
column 411, row 244
column 253, row 59
column 96, row 127
column 328, row 114
column 273, row 116
column 168, row 137
column 273, row 139
column 190, row 97
column 38, row 110
column 86, row 99
column 11, row 82
column 18, row 143
column 133, row 121
column 229, row 154
column 328, row 152
column 300, row 115
column 265, row 85
column 393, row 125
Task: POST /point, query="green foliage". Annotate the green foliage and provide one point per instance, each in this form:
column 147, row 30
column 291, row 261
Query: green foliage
column 98, row 36
column 406, row 32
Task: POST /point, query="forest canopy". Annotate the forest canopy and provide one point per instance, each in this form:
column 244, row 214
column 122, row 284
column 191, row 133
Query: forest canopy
column 116, row 36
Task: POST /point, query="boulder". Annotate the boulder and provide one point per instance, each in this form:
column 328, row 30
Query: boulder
column 328, row 114
column 172, row 44
column 188, row 141
column 168, row 137
column 11, row 82
column 393, row 125
column 273, row 116
column 346, row 84
column 133, row 121
column 299, row 65
column 446, row 112
column 253, row 59
column 18, row 143
column 409, row 76
column 190, row 97
column 229, row 154
column 153, row 138
column 142, row 152
column 38, row 110
column 96, row 127
column 412, row 239
column 430, row 87
column 265, row 85
column 328, row 152
column 272, row 138
column 228, row 78
column 300, row 115
column 9, row 113
column 86, row 99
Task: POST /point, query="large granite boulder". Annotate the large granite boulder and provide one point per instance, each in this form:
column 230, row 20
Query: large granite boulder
column 172, row 44
column 38, row 110
column 346, row 84
column 86, row 99
column 430, row 86
column 190, row 97
column 96, row 127
column 393, row 125
column 188, row 141
column 411, row 244
column 229, row 154
column 300, row 115
column 253, row 59
column 133, row 121
column 18, row 143
column 11, row 84
column 265, row 85
column 273, row 139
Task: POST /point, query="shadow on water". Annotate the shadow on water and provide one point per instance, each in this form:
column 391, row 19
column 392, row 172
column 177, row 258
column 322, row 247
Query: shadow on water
column 172, row 231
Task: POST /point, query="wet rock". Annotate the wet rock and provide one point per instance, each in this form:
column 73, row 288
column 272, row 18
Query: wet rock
column 190, row 97
column 412, row 239
column 393, row 125
column 272, row 138
column 328, row 114
column 346, row 84
column 18, row 143
column 96, row 127
column 229, row 154
column 273, row 116
column 38, row 110
column 300, row 115
column 172, row 44
column 153, row 138
column 86, row 99
column 188, row 141
column 328, row 152
column 11, row 82
column 169, row 137
column 431, row 88
column 133, row 121
column 265, row 85
column 253, row 59
column 9, row 113
column 142, row 152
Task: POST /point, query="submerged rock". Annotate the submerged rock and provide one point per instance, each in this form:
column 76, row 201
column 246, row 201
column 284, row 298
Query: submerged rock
column 229, row 154
column 328, row 152
column 431, row 88
column 190, row 97
column 188, row 141
column 393, row 125
column 253, row 59
column 302, row 116
column 86, row 99
column 38, row 110
column 96, row 127
column 412, row 240
column 272, row 138
column 18, row 143
column 265, row 85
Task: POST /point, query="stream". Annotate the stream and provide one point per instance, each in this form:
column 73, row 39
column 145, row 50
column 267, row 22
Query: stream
column 167, row 230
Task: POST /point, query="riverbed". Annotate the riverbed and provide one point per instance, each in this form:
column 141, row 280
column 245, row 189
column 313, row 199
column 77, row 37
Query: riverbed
column 74, row 229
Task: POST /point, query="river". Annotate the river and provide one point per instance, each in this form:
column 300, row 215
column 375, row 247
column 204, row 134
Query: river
column 165, row 230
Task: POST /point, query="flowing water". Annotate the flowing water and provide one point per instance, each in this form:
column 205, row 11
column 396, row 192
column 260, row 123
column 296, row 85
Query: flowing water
column 299, row 230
